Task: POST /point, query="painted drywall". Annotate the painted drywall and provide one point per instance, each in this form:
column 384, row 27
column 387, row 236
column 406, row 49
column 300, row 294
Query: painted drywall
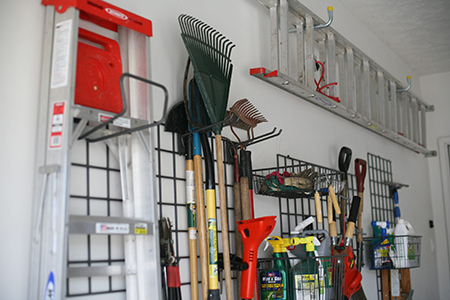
column 309, row 133
column 438, row 126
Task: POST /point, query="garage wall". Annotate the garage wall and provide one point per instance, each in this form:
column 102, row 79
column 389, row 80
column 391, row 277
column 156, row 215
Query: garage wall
column 309, row 133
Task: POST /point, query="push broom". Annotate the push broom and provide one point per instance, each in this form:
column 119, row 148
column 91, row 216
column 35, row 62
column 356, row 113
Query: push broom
column 210, row 53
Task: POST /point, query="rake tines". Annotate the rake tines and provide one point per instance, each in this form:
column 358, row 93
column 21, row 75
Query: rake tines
column 210, row 52
column 248, row 115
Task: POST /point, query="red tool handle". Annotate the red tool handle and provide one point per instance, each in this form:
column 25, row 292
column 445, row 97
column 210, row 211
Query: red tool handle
column 360, row 172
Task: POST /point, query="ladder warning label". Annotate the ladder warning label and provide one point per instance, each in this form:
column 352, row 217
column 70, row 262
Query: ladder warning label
column 57, row 124
column 140, row 228
column 112, row 228
column 61, row 50
column 120, row 122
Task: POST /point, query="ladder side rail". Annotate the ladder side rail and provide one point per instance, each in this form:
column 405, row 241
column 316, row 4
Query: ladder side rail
column 404, row 108
column 415, row 120
column 299, row 34
column 408, row 112
column 350, row 70
column 331, row 62
column 366, row 109
column 40, row 159
column 394, row 106
column 342, row 78
column 381, row 98
column 57, row 143
column 143, row 166
column 274, row 54
column 309, row 52
column 423, row 140
column 283, row 38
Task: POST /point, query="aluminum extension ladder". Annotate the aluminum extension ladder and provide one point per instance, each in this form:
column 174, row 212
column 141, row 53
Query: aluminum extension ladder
column 128, row 135
column 369, row 96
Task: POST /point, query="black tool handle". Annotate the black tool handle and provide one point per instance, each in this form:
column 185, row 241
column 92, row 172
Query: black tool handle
column 345, row 158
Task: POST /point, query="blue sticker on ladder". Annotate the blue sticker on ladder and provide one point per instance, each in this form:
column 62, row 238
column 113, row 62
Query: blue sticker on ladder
column 50, row 288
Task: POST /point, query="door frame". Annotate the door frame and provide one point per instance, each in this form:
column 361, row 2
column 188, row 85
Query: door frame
column 444, row 159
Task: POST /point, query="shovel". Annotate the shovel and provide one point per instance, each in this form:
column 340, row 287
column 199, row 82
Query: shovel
column 177, row 122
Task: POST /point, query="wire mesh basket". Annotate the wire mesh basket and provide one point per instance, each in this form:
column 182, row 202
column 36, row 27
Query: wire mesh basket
column 295, row 180
column 393, row 252
column 307, row 278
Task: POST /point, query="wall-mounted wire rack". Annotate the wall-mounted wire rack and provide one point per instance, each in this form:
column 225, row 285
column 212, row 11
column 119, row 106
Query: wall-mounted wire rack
column 317, row 64
column 382, row 208
column 297, row 204
column 95, row 190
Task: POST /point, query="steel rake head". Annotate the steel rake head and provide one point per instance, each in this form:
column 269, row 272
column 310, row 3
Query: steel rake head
column 248, row 115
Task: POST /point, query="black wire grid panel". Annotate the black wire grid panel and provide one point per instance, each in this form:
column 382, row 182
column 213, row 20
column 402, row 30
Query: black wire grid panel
column 382, row 205
column 95, row 189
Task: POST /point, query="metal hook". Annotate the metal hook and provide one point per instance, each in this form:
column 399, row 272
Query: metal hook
column 330, row 19
column 223, row 123
column 258, row 139
column 166, row 100
column 320, row 26
column 408, row 78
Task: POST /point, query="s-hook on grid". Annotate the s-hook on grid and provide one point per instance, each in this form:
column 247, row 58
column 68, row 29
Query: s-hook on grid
column 96, row 190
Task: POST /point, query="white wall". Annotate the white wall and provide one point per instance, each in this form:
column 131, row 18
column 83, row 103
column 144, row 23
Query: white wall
column 434, row 89
column 21, row 36
column 309, row 133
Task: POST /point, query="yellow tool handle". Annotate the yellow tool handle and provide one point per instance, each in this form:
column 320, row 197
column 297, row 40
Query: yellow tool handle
column 330, row 210
column 201, row 224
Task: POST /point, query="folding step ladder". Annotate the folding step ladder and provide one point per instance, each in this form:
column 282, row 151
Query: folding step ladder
column 352, row 86
column 94, row 74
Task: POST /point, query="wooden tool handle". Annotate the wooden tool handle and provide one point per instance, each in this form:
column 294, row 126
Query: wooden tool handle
column 334, row 199
column 330, row 210
column 245, row 198
column 359, row 237
column 201, row 225
column 333, row 230
column 318, row 207
column 224, row 217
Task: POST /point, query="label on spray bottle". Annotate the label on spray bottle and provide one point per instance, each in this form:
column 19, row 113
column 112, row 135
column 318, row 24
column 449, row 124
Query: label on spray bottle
column 307, row 287
column 272, row 286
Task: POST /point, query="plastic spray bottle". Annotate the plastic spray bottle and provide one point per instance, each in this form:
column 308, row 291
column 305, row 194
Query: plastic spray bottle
column 380, row 257
column 277, row 282
column 405, row 250
column 306, row 273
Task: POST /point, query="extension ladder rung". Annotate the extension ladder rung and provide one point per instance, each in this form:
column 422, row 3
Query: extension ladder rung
column 109, row 225
column 93, row 271
column 352, row 85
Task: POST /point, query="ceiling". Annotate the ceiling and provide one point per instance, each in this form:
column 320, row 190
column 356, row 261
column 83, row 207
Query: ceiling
column 417, row 30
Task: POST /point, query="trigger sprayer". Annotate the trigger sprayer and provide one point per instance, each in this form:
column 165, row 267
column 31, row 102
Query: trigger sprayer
column 253, row 232
column 277, row 283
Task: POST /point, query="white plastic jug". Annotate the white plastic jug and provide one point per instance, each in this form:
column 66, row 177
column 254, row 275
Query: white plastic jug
column 404, row 249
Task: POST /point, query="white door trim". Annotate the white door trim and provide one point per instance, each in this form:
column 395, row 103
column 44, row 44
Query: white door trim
column 444, row 159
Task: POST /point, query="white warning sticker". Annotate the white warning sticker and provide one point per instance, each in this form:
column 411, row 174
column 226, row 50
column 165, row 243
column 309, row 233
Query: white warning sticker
column 56, row 131
column 112, row 228
column 61, row 51
column 120, row 122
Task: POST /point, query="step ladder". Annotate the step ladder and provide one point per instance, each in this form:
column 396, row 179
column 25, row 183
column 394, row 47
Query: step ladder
column 358, row 90
column 94, row 85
